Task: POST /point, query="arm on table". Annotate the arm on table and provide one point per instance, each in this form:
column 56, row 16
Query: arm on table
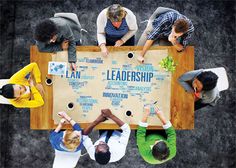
column 132, row 24
column 65, row 116
column 146, row 47
column 101, row 38
column 179, row 47
column 108, row 114
column 68, row 35
column 101, row 23
column 187, row 77
column 171, row 135
column 24, row 103
column 171, row 138
column 143, row 148
column 20, row 75
column 89, row 129
column 186, row 39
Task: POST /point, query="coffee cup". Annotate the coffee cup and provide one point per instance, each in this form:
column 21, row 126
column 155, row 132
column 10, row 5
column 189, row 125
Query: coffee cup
column 70, row 106
column 129, row 113
column 130, row 55
column 48, row 81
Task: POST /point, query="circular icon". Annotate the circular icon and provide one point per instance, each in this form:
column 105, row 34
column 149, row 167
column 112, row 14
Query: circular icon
column 48, row 81
column 70, row 106
column 130, row 54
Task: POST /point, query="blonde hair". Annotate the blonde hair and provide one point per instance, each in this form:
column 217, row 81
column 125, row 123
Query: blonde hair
column 116, row 13
column 71, row 141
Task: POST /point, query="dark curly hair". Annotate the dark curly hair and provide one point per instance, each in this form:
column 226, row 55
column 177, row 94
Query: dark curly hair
column 160, row 151
column 45, row 30
column 208, row 80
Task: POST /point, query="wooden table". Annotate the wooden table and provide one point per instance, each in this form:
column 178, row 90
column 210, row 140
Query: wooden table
column 182, row 103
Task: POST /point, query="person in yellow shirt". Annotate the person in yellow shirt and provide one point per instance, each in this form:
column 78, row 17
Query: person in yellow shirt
column 21, row 91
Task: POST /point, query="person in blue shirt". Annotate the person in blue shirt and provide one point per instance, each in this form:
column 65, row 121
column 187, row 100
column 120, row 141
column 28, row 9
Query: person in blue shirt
column 68, row 140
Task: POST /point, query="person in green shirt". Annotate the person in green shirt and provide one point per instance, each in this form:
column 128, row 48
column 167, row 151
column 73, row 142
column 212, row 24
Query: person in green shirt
column 154, row 148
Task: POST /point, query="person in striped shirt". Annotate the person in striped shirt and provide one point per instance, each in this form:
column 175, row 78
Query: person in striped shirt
column 166, row 27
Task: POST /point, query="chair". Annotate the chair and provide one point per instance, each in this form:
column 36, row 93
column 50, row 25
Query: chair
column 73, row 17
column 66, row 159
column 3, row 100
column 222, row 83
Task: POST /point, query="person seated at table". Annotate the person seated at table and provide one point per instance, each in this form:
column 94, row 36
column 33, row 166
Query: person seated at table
column 167, row 27
column 202, row 84
column 116, row 26
column 111, row 145
column 154, row 147
column 21, row 87
column 68, row 140
column 58, row 34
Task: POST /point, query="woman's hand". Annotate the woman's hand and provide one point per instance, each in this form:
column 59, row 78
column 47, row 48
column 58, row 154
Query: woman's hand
column 63, row 121
column 31, row 82
column 39, row 86
column 104, row 50
column 64, row 115
column 119, row 43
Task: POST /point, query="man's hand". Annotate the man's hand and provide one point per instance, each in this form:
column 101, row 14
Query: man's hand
column 73, row 66
column 89, row 129
column 119, row 43
column 146, row 113
column 106, row 113
column 65, row 45
column 101, row 118
column 172, row 39
column 140, row 59
column 39, row 86
column 104, row 50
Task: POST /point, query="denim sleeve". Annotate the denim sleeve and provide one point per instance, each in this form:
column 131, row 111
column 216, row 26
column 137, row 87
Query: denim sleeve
column 77, row 127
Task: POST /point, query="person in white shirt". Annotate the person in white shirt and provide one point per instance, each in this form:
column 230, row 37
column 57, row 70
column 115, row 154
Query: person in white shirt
column 111, row 146
column 116, row 26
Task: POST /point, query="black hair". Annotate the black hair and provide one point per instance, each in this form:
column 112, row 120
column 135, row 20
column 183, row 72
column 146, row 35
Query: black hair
column 103, row 157
column 208, row 80
column 7, row 91
column 45, row 30
column 160, row 151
